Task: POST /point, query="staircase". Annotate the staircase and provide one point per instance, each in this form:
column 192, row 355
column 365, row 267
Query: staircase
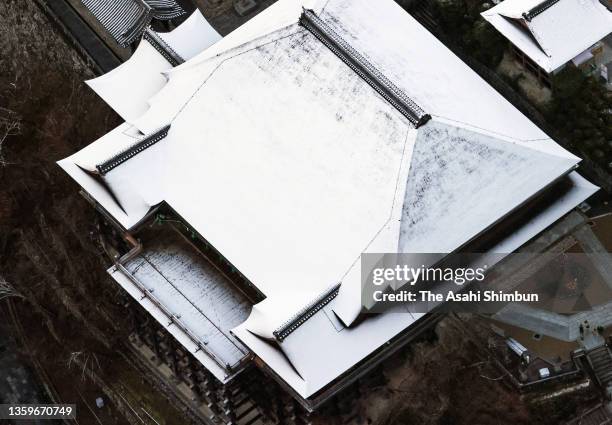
column 600, row 359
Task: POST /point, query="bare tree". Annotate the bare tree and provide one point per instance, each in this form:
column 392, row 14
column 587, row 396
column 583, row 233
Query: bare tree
column 10, row 125
column 6, row 290
column 88, row 362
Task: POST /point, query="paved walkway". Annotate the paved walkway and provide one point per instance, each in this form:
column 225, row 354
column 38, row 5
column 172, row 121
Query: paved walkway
column 596, row 252
column 560, row 326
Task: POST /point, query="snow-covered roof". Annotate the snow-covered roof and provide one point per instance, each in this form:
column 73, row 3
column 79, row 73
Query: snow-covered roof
column 291, row 151
column 551, row 32
column 128, row 88
column 189, row 297
column 192, row 36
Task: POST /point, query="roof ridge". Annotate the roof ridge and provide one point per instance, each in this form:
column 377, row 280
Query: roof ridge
column 164, row 9
column 162, row 47
column 536, row 10
column 306, row 313
column 133, row 150
column 362, row 67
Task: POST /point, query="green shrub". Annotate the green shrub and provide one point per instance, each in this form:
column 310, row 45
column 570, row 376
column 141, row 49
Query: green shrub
column 580, row 111
column 461, row 21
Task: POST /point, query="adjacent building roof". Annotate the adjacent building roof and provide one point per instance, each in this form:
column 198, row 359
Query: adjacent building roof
column 293, row 149
column 128, row 88
column 189, row 297
column 551, row 32
column 126, row 20
column 191, row 37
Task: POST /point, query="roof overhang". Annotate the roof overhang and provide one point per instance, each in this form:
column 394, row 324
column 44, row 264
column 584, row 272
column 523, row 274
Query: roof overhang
column 288, row 161
column 551, row 32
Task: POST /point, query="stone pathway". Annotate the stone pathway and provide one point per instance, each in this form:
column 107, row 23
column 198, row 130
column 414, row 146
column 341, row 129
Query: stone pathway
column 567, row 327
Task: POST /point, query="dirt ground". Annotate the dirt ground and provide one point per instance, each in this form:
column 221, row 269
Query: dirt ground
column 48, row 249
column 450, row 380
column 69, row 316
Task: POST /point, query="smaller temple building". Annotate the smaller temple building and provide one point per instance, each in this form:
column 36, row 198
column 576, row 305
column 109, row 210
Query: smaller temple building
column 548, row 35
